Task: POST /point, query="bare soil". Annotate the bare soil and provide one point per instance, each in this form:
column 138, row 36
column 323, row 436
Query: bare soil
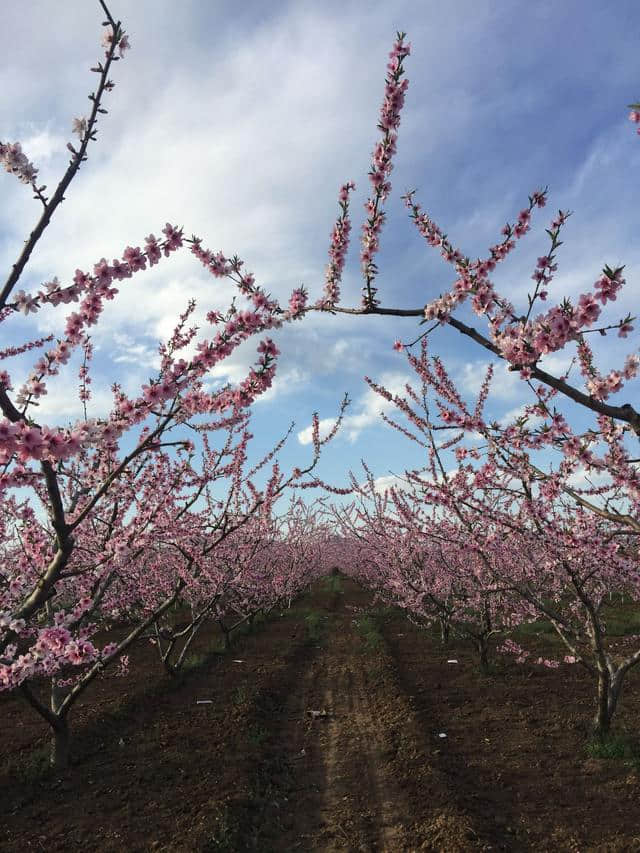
column 326, row 737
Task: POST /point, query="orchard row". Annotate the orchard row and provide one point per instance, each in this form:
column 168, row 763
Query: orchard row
column 110, row 536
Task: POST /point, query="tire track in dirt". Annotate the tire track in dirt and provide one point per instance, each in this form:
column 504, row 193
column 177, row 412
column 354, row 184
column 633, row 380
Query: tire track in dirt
column 360, row 799
column 348, row 788
column 344, row 797
column 359, row 773
column 375, row 802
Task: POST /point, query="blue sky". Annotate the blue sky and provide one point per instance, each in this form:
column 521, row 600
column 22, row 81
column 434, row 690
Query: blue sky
column 240, row 122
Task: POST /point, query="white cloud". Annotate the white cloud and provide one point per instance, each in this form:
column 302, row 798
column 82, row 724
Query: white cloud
column 370, row 405
column 42, row 145
column 61, row 404
column 557, row 363
column 130, row 351
column 518, row 412
column 246, row 143
column 581, row 479
column 387, row 481
column 505, row 384
column 286, row 382
column 305, row 436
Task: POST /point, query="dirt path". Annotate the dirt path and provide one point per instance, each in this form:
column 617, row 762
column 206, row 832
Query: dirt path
column 349, row 786
column 255, row 769
column 359, row 775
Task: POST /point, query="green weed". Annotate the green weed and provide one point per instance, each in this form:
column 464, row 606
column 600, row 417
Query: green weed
column 333, row 584
column 240, row 695
column 622, row 622
column 193, row 661
column 535, row 629
column 33, row 766
column 256, row 735
column 367, row 627
column 489, row 671
column 314, row 627
column 616, row 746
column 224, row 833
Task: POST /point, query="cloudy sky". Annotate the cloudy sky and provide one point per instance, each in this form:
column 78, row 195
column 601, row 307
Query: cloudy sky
column 240, row 121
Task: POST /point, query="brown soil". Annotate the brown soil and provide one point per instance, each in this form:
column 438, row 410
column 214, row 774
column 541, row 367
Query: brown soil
column 255, row 770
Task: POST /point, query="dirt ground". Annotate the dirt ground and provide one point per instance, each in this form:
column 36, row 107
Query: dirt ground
column 256, row 770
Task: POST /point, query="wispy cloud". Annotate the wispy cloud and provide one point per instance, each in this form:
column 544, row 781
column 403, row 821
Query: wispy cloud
column 368, row 409
column 305, row 436
column 235, row 126
column 388, row 481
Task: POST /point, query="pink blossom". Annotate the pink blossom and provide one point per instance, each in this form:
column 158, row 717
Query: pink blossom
column 25, row 303
column 79, row 126
column 174, row 238
column 135, row 259
column 152, row 250
column 31, row 444
column 268, row 347
column 152, row 394
column 608, row 288
column 103, row 272
column 16, row 162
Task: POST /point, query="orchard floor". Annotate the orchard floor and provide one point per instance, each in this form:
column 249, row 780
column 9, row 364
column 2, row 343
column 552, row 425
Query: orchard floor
column 255, row 770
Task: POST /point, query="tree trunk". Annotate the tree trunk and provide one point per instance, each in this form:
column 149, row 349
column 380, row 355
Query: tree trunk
column 61, row 736
column 226, row 632
column 444, row 631
column 60, row 740
column 483, row 652
column 609, row 689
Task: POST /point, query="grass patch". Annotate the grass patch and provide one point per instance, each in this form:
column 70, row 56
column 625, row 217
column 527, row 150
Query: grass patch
column 367, row 627
column 224, row 833
column 241, row 695
column 622, row 621
column 621, row 618
column 333, row 584
column 538, row 628
column 256, row 735
column 32, row 766
column 313, row 623
column 615, row 746
column 492, row 669
column 194, row 661
column 259, row 619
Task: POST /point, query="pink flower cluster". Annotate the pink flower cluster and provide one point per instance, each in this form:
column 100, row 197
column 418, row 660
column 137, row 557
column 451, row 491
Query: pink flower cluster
column 122, row 42
column 17, row 163
column 32, row 442
column 297, row 303
column 509, row 647
column 381, row 166
column 337, row 250
column 473, row 276
column 54, row 646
